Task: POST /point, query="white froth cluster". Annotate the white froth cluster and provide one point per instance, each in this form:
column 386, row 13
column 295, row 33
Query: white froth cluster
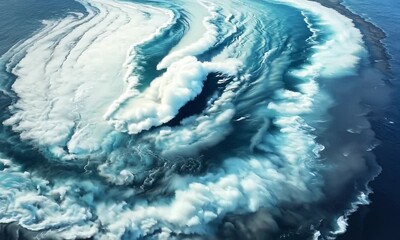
column 159, row 103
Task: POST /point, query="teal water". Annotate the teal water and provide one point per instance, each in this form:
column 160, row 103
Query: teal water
column 19, row 19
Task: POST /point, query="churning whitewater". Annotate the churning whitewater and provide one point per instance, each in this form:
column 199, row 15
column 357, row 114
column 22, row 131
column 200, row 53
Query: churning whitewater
column 180, row 120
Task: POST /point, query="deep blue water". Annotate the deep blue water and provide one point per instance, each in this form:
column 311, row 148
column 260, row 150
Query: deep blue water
column 380, row 220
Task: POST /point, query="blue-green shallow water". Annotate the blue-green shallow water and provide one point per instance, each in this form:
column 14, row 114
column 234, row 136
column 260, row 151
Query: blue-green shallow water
column 380, row 220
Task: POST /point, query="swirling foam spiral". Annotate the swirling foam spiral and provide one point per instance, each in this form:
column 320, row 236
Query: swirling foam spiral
column 164, row 119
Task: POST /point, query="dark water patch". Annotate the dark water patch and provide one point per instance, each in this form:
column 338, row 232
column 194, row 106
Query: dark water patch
column 199, row 103
column 12, row 231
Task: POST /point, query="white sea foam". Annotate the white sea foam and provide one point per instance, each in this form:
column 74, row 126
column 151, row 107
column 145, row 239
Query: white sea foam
column 73, row 82
column 207, row 40
column 342, row 52
column 342, row 221
column 161, row 101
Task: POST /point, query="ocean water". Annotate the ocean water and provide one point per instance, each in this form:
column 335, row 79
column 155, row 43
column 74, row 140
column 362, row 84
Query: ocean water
column 379, row 220
column 19, row 19
column 190, row 120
